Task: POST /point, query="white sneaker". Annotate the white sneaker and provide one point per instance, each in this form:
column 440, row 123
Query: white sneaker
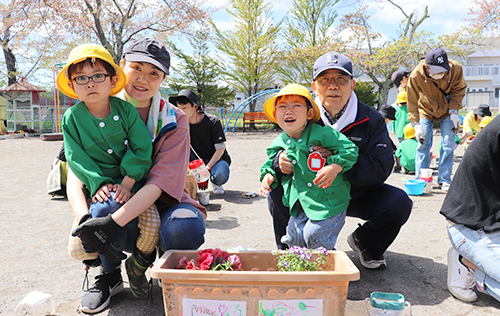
column 217, row 189
column 460, row 278
column 445, row 186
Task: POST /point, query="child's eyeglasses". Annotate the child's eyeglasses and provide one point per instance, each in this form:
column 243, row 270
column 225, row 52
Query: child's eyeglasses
column 339, row 80
column 97, row 78
column 294, row 107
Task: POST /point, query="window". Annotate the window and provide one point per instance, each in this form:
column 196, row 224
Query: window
column 497, row 92
column 488, row 69
column 468, row 71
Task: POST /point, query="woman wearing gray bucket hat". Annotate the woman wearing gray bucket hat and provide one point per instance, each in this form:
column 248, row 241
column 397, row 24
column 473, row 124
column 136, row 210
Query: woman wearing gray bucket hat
column 146, row 63
column 208, row 141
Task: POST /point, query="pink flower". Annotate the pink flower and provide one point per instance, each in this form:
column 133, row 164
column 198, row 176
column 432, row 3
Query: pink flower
column 235, row 262
column 204, row 261
column 183, row 263
column 191, row 265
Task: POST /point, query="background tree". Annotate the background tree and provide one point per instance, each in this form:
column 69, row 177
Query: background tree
column 366, row 92
column 484, row 18
column 200, row 73
column 114, row 23
column 307, row 27
column 378, row 60
column 250, row 47
column 23, row 37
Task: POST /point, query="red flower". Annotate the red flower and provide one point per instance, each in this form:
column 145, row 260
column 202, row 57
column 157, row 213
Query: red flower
column 220, row 256
column 209, row 250
column 191, row 265
column 183, row 263
column 204, row 261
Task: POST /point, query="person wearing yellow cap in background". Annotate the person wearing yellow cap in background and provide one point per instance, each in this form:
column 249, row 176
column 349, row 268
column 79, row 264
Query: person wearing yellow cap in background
column 484, row 121
column 401, row 116
column 407, row 150
column 317, row 193
column 472, row 120
column 109, row 149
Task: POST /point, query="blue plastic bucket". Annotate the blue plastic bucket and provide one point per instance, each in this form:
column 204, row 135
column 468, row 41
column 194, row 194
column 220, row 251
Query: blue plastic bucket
column 414, row 187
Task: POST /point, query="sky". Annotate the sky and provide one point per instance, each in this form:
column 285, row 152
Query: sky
column 446, row 16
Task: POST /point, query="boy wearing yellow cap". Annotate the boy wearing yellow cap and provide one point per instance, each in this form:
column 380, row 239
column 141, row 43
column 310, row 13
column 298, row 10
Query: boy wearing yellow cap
column 317, row 193
column 401, row 115
column 407, row 150
column 107, row 147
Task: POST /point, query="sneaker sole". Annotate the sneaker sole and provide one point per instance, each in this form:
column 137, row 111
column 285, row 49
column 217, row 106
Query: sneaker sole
column 371, row 266
column 117, row 289
column 450, row 288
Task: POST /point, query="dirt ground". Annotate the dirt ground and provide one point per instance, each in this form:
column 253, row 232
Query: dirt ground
column 34, row 230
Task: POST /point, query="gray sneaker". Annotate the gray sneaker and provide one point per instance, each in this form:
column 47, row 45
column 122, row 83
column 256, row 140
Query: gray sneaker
column 364, row 257
column 98, row 297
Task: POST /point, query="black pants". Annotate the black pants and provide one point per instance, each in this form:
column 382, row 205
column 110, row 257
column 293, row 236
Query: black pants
column 384, row 207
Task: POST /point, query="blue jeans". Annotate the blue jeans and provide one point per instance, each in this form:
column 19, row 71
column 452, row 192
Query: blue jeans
column 125, row 239
column 220, row 172
column 423, row 157
column 182, row 227
column 483, row 250
column 303, row 232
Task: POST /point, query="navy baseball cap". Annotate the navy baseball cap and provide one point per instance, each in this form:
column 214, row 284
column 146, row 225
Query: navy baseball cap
column 332, row 60
column 437, row 59
column 397, row 76
column 150, row 51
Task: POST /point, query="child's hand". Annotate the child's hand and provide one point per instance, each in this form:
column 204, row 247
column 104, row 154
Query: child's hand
column 326, row 176
column 266, row 182
column 122, row 193
column 103, row 193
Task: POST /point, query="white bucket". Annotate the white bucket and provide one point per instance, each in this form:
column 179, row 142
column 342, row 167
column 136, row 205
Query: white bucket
column 425, row 173
column 203, row 197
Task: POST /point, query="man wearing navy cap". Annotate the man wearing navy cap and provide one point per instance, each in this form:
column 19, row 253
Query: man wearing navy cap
column 435, row 91
column 385, row 208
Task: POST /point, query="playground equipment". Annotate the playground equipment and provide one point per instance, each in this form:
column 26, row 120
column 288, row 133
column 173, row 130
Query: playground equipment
column 244, row 104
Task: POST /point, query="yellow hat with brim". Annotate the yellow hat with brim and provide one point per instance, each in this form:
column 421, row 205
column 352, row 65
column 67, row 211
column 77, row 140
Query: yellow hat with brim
column 81, row 53
column 291, row 89
column 409, row 131
column 402, row 97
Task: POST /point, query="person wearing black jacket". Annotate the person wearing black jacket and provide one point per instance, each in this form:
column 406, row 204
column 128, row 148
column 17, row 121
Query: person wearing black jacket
column 472, row 210
column 385, row 208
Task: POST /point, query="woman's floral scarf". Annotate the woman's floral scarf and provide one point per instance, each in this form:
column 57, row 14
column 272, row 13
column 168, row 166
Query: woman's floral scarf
column 161, row 117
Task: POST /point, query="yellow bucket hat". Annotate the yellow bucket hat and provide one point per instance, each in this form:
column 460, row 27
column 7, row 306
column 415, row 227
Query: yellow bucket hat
column 81, row 53
column 291, row 89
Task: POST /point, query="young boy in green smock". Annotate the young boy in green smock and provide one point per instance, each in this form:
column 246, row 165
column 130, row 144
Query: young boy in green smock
column 317, row 192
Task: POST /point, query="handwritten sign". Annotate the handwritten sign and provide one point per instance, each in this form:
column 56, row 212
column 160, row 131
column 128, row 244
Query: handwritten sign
column 197, row 307
column 291, row 308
